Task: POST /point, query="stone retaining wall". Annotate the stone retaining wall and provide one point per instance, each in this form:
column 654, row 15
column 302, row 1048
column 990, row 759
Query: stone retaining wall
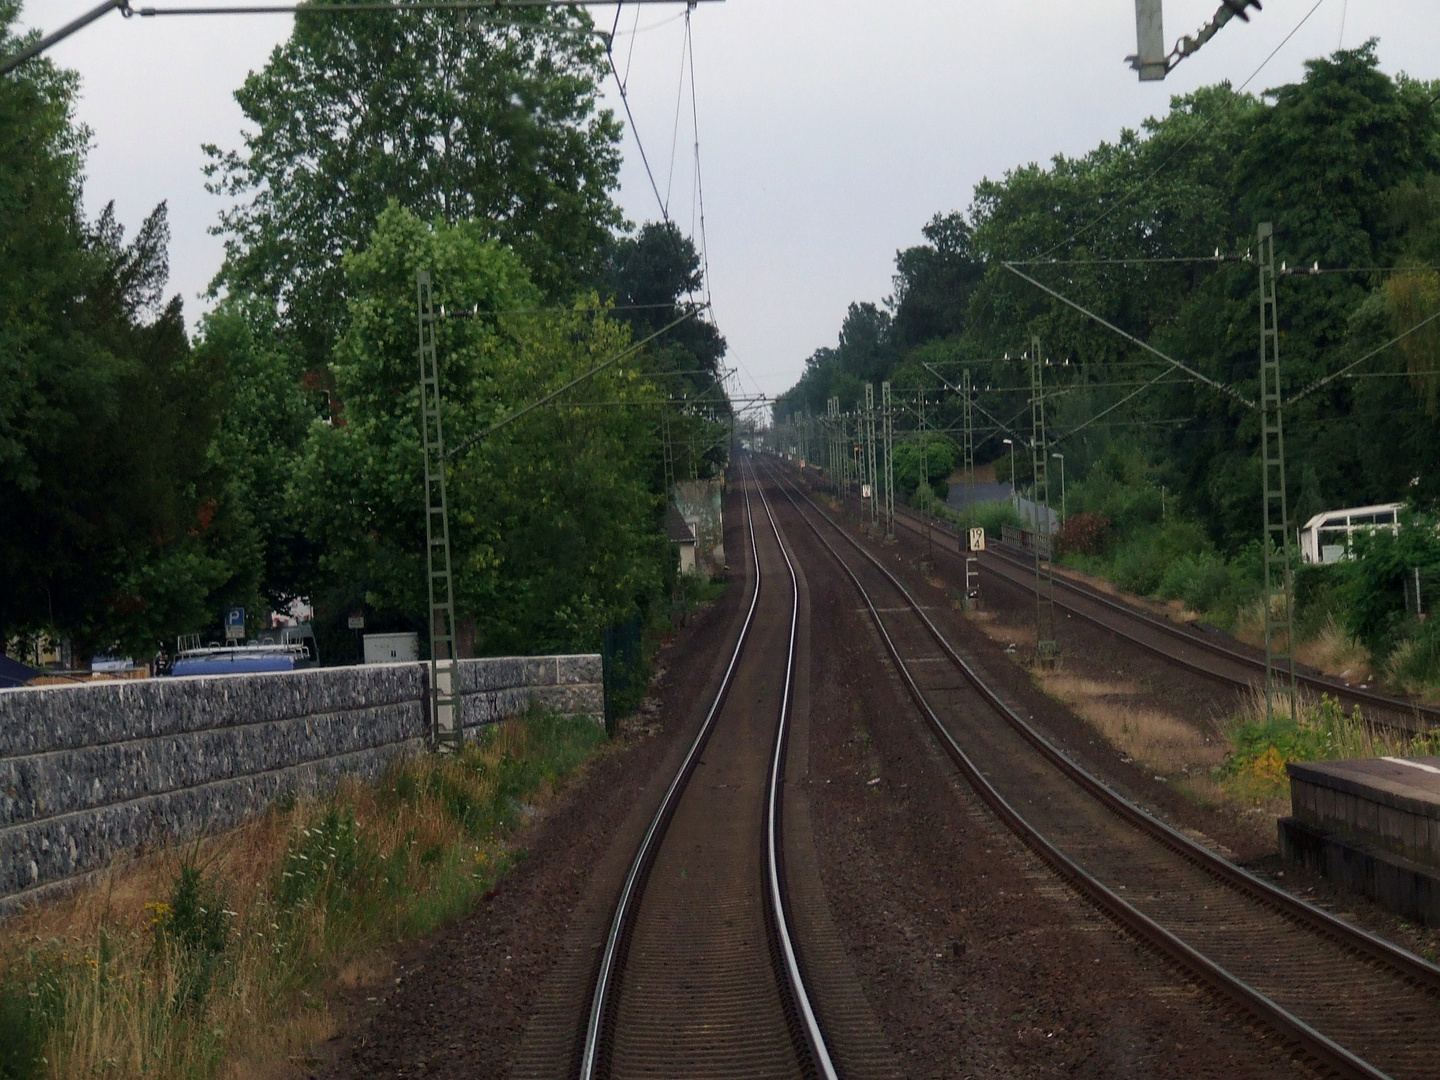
column 94, row 769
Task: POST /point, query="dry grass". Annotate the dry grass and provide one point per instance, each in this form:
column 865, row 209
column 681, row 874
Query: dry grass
column 1021, row 637
column 132, row 977
column 1335, row 652
column 1162, row 742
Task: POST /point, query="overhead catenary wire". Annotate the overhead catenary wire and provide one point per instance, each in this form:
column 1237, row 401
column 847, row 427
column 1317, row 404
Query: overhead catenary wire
column 675, row 125
column 699, row 180
column 1318, row 383
column 43, row 43
column 471, row 440
column 1230, row 391
column 635, row 131
column 557, row 309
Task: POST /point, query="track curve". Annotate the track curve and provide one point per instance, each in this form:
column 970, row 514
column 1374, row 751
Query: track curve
column 1353, row 1004
column 1225, row 661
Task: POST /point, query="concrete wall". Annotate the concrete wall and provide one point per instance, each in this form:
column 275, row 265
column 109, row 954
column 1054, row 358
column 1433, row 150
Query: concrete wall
column 91, row 770
column 1385, row 819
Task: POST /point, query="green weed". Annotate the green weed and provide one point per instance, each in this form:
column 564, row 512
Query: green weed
column 1321, row 731
column 230, row 971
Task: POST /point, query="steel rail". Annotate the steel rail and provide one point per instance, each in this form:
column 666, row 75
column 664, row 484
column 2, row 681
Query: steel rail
column 600, row 1024
column 1367, row 946
column 774, row 880
column 1323, row 683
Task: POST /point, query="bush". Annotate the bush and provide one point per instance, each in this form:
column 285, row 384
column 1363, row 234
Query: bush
column 192, row 930
column 1318, row 596
column 1083, row 534
column 1147, row 555
column 1200, row 582
column 1260, row 746
column 1373, row 592
column 990, row 516
column 26, row 1019
column 1415, row 662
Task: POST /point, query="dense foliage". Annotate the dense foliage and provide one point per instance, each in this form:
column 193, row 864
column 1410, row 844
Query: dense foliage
column 117, row 521
column 150, row 482
column 1345, row 163
column 554, row 530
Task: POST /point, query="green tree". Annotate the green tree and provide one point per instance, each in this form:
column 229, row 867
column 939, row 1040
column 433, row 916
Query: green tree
column 934, row 282
column 653, row 276
column 116, row 525
column 555, row 531
column 269, row 405
column 452, row 115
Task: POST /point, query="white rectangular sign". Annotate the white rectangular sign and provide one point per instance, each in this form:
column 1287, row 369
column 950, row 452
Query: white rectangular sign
column 864, row 491
column 977, row 539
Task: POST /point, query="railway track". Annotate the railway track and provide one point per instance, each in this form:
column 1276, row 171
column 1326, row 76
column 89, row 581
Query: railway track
column 1219, row 660
column 1351, row 1004
column 700, row 973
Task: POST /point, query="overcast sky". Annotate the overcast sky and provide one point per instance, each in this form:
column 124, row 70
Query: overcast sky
column 830, row 130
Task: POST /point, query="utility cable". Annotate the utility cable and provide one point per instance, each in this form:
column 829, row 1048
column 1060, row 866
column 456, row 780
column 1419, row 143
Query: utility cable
column 675, row 127
column 1318, row 383
column 983, row 411
column 699, row 182
column 1221, row 387
column 630, row 52
column 634, row 130
column 1216, row 258
column 471, row 440
column 1076, row 430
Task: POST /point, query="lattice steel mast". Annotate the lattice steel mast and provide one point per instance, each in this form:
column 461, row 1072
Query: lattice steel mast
column 1279, row 613
column 869, row 463
column 1046, row 647
column 445, row 727
column 832, row 412
column 887, row 416
column 968, row 445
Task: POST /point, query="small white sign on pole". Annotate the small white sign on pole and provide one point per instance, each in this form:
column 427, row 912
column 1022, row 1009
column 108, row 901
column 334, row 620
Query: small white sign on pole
column 864, row 491
column 977, row 539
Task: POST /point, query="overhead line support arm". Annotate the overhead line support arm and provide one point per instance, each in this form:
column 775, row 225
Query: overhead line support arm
column 10, row 63
column 991, row 416
column 1229, row 391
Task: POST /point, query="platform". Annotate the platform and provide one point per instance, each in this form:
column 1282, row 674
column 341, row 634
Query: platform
column 1371, row 825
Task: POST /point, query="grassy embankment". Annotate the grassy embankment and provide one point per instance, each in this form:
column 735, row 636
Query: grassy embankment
column 1122, row 532
column 216, row 959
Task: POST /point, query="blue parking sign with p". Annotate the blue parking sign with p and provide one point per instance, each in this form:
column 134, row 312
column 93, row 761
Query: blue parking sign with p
column 235, row 617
